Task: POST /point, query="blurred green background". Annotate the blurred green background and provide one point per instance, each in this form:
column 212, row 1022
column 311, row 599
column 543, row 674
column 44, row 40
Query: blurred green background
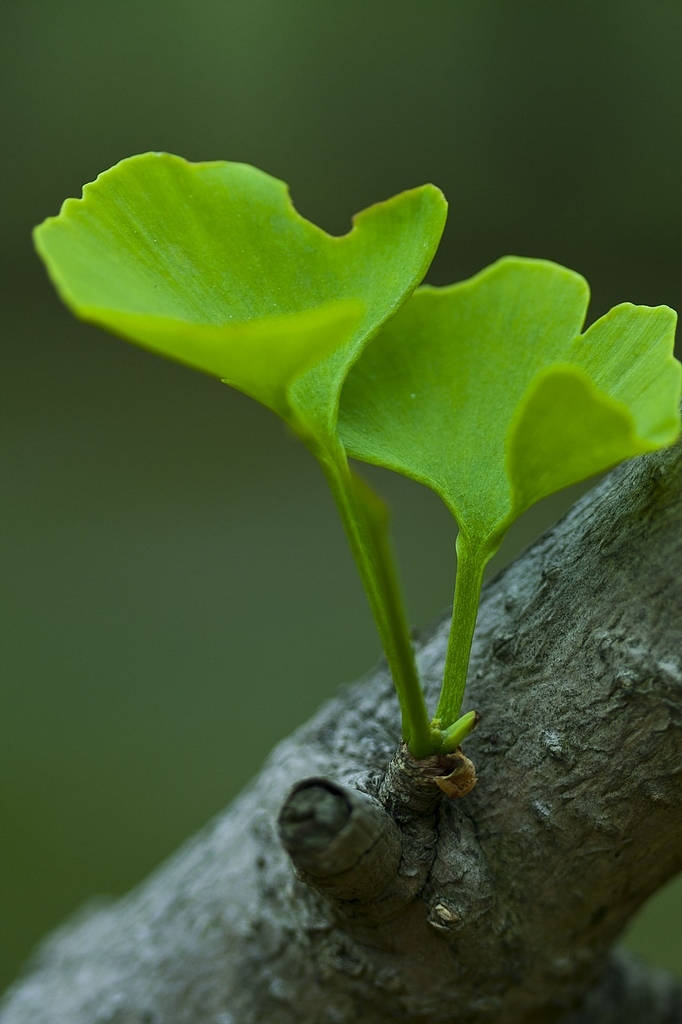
column 175, row 590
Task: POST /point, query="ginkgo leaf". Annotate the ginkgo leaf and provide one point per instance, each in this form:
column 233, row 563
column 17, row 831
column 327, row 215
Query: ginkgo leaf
column 187, row 259
column 259, row 357
column 566, row 430
column 211, row 265
column 487, row 392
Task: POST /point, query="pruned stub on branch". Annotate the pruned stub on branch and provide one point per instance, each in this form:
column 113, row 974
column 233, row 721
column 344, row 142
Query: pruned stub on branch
column 344, row 886
column 370, row 856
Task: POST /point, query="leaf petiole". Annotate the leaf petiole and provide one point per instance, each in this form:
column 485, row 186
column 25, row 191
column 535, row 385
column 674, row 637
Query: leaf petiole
column 365, row 520
column 470, row 565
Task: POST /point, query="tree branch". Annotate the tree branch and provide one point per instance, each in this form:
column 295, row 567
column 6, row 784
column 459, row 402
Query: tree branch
column 499, row 907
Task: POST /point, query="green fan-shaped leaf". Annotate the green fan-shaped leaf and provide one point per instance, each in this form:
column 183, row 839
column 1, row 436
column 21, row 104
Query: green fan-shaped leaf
column 210, row 264
column 487, row 392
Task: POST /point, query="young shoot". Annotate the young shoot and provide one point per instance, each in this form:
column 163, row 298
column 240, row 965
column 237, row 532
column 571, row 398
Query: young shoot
column 485, row 391
column 488, row 392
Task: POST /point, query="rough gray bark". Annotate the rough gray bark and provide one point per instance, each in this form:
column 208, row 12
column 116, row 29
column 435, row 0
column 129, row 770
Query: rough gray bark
column 405, row 906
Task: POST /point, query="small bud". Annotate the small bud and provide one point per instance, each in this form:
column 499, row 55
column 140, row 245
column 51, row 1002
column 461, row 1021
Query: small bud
column 461, row 779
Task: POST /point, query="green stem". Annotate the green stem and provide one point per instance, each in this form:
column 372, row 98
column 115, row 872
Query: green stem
column 470, row 566
column 369, row 544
